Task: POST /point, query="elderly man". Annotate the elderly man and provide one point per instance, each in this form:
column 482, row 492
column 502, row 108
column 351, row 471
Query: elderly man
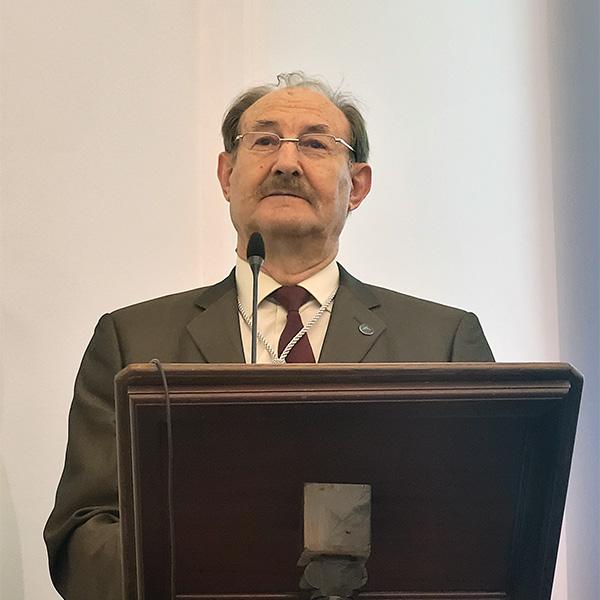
column 294, row 166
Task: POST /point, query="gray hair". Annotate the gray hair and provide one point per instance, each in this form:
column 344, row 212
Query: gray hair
column 359, row 139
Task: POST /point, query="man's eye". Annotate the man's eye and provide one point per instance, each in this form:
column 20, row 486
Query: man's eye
column 314, row 143
column 265, row 141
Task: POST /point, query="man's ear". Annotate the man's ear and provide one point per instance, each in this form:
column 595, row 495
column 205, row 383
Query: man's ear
column 361, row 184
column 224, row 169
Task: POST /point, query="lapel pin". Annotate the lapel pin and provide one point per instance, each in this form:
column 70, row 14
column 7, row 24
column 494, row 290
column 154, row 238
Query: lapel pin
column 366, row 329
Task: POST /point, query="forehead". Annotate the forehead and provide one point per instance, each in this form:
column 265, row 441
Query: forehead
column 295, row 109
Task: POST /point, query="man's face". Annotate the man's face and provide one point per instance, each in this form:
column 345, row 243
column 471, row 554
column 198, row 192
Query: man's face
column 285, row 194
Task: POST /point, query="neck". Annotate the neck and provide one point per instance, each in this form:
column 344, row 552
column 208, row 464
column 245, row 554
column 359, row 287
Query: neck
column 290, row 266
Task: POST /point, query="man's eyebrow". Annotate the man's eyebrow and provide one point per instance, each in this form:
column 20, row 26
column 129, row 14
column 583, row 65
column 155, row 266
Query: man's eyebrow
column 318, row 128
column 265, row 123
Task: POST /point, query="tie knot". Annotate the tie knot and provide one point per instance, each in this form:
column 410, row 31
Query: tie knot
column 291, row 297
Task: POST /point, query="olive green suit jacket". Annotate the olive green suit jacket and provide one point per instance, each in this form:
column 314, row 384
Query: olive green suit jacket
column 82, row 533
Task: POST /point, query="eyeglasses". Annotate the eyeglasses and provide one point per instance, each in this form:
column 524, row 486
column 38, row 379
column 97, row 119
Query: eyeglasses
column 312, row 145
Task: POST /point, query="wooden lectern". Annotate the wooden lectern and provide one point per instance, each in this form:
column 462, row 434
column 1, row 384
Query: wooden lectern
column 468, row 465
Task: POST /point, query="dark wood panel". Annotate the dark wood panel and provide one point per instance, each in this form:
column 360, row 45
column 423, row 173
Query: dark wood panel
column 468, row 465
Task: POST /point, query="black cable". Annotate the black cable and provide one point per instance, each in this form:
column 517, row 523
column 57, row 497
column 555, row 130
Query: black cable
column 170, row 463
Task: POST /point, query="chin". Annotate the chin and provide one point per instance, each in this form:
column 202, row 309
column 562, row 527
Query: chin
column 288, row 228
column 298, row 221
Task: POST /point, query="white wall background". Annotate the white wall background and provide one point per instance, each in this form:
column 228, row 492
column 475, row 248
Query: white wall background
column 484, row 128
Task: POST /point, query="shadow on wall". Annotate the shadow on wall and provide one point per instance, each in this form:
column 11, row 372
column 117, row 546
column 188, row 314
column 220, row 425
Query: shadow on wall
column 11, row 564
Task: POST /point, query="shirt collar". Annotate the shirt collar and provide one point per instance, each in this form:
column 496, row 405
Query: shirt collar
column 321, row 285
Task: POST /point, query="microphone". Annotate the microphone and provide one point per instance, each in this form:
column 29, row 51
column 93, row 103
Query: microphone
column 256, row 256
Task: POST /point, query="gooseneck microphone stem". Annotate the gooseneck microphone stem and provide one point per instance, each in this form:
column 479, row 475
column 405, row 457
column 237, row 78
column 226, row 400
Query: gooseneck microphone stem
column 255, row 270
column 256, row 257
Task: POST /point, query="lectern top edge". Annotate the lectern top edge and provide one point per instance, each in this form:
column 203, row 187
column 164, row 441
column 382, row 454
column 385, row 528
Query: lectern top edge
column 182, row 372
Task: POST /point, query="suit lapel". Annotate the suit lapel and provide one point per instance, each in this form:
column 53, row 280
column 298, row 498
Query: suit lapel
column 216, row 330
column 354, row 327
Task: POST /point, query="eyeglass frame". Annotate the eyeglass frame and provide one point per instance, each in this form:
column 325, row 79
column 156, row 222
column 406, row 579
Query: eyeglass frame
column 296, row 141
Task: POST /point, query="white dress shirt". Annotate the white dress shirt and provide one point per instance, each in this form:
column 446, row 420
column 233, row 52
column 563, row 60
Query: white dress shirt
column 272, row 316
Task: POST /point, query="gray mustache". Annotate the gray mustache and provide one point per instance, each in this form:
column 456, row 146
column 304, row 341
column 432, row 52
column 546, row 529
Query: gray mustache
column 285, row 184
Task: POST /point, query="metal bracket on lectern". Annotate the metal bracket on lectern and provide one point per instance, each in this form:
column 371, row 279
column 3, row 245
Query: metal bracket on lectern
column 337, row 539
column 333, row 577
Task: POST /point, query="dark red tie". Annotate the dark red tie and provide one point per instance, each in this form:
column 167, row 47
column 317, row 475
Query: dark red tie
column 292, row 297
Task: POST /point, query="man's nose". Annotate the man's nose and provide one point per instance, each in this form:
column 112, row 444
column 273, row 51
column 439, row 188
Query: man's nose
column 288, row 159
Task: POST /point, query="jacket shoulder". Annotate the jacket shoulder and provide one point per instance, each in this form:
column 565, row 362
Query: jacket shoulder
column 185, row 304
column 157, row 305
column 397, row 300
column 388, row 299
column 421, row 330
column 158, row 327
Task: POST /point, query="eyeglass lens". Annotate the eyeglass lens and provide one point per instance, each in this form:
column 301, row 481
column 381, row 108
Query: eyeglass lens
column 311, row 144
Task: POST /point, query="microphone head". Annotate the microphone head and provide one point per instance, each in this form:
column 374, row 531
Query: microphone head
column 256, row 246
